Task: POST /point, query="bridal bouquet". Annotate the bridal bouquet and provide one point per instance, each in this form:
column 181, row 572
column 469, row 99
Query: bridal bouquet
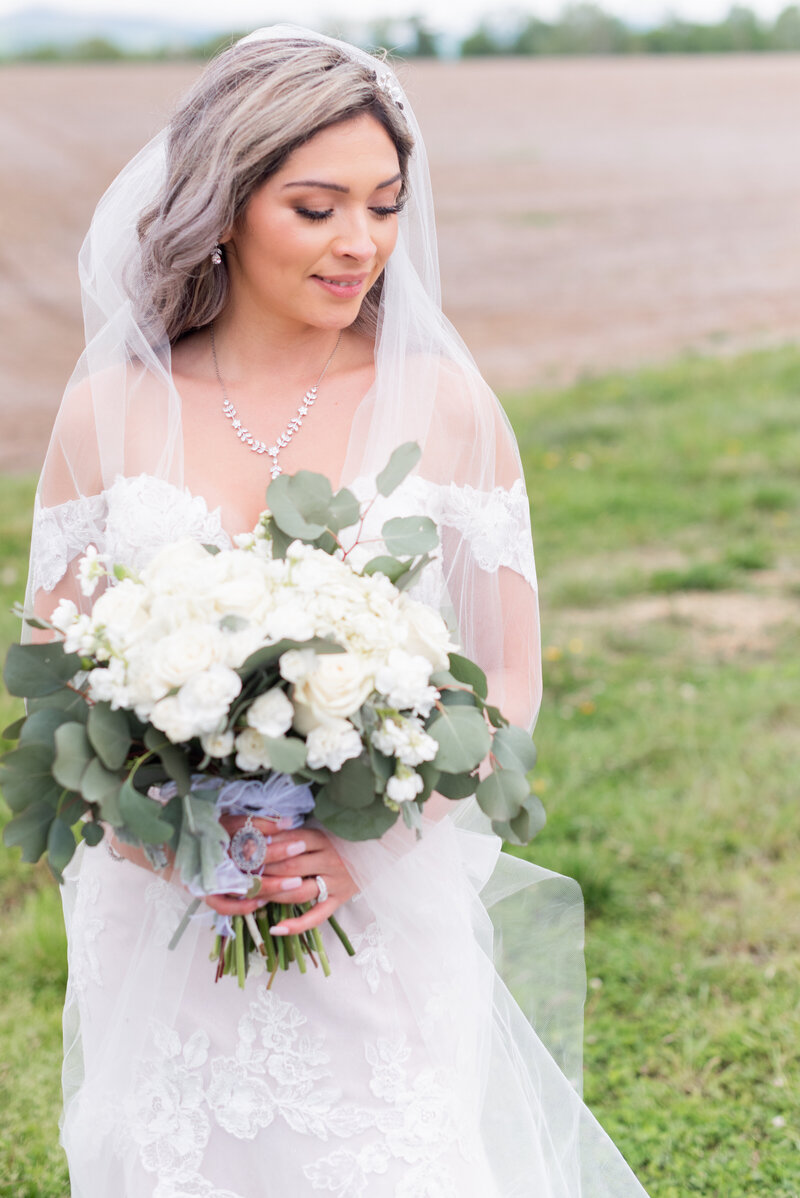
column 291, row 675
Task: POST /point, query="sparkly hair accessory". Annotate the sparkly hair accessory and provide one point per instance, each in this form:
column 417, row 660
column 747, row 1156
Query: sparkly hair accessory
column 386, row 82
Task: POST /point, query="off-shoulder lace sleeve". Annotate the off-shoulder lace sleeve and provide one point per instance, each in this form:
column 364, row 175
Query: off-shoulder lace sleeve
column 495, row 524
column 60, row 533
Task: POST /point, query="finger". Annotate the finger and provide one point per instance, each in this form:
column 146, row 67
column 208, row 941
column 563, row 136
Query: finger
column 274, row 892
column 310, row 919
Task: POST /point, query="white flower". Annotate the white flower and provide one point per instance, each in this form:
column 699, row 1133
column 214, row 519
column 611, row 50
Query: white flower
column 404, row 681
column 185, row 652
column 108, row 684
column 428, row 634
column 295, row 664
column 251, row 751
column 245, row 540
column 405, row 739
column 90, row 570
column 338, row 686
column 332, row 744
column 217, row 744
column 272, row 713
column 207, row 696
column 79, row 637
column 64, row 614
column 404, row 785
column 174, row 722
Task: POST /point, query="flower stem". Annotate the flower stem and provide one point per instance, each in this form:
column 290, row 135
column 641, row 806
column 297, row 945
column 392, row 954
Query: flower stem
column 340, row 932
column 241, row 969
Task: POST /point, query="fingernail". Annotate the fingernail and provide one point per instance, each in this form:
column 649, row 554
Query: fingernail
column 291, row 883
column 279, row 930
column 296, row 848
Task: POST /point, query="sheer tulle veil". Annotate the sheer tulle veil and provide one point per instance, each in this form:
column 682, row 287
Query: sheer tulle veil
column 121, row 418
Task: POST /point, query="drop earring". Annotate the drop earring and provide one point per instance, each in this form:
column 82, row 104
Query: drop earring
column 216, row 254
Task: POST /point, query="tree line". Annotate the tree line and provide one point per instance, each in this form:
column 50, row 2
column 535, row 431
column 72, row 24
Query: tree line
column 581, row 28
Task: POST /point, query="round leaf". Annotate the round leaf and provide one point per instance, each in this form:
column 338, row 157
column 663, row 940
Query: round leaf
column 92, row 833
column 456, row 786
column 142, row 816
column 287, row 754
column 60, row 847
column 463, row 739
column 34, row 670
column 468, row 672
column 26, row 777
column 109, row 734
column 405, row 536
column 514, row 749
column 73, row 754
column 366, row 824
column 502, row 794
column 343, row 511
column 400, row 464
column 353, row 786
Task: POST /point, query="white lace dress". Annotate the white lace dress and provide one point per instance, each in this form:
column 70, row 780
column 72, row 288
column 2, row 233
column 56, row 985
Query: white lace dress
column 410, row 1072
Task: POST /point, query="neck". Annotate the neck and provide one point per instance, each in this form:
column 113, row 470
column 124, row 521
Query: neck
column 251, row 345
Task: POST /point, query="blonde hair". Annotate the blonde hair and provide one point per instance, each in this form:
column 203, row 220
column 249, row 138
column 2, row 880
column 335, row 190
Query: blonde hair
column 252, row 106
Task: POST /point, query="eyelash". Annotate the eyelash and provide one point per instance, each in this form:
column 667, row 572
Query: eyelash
column 381, row 213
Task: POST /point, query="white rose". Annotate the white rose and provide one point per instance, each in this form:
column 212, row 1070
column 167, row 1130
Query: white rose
column 404, row 681
column 428, row 634
column 272, row 713
column 217, row 744
column 189, row 650
column 289, row 622
column 64, row 614
column 337, row 688
column 207, row 696
column 332, row 744
column 174, row 722
column 251, row 751
column 404, row 785
column 296, row 664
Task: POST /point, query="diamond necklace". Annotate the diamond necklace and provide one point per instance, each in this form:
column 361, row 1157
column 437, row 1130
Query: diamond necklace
column 283, row 440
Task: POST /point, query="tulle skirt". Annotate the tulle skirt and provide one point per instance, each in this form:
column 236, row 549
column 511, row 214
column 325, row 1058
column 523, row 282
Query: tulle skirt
column 411, row 1072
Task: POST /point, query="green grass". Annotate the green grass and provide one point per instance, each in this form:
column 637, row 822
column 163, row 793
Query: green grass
column 668, row 766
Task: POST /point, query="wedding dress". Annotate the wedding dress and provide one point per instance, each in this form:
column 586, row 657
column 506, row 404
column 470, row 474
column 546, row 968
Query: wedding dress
column 410, row 1072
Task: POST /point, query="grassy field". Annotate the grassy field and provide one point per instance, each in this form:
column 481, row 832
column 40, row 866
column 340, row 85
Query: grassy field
column 667, row 521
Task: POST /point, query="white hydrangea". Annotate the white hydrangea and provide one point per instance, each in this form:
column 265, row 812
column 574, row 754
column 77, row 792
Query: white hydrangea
column 403, row 679
column 405, row 739
column 172, row 720
column 331, row 744
column 404, row 785
column 80, row 637
column 217, row 744
column 206, row 697
column 272, row 713
column 251, row 751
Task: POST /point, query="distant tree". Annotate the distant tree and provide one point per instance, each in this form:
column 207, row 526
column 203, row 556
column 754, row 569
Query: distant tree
column 96, row 49
column 424, row 43
column 587, row 29
column 741, row 30
column 482, row 43
column 785, row 34
column 534, row 37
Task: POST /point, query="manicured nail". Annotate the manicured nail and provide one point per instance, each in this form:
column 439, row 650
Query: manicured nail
column 280, row 929
column 296, row 848
column 291, row 883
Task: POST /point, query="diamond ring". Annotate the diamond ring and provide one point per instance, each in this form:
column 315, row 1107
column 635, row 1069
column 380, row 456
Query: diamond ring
column 323, row 889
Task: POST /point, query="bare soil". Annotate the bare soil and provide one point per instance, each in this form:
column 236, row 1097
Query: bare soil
column 592, row 213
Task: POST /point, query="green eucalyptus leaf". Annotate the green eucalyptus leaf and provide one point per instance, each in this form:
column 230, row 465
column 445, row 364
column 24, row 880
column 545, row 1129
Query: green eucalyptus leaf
column 280, row 540
column 400, row 464
column 327, row 542
column 464, row 670
column 29, row 830
column 142, row 816
column 343, row 510
column 109, row 734
column 430, row 775
column 40, row 727
column 390, row 566
column 457, row 786
column 459, row 697
column 501, row 794
column 406, row 536
column 412, row 816
column 525, row 825
column 410, row 577
column 463, row 739
column 382, row 768
column 13, row 730
column 100, row 787
column 320, row 776
column 34, row 670
column 514, row 749
column 300, row 503
column 364, row 824
column 70, row 701
column 60, row 848
column 173, row 758
column 201, row 841
column 211, row 550
column 26, row 777
column 353, row 786
column 73, row 754
column 92, row 833
column 495, row 716
column 287, row 754
column 263, row 658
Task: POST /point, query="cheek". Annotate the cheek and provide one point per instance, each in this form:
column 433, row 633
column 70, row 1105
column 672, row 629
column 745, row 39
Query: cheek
column 387, row 239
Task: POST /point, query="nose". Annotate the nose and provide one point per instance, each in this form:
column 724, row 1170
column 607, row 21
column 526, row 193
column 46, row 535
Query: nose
column 356, row 241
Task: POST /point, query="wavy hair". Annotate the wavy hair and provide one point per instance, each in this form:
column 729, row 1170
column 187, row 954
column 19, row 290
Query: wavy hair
column 253, row 105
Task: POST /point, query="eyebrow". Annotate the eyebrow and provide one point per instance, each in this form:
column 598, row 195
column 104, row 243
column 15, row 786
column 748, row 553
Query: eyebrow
column 338, row 186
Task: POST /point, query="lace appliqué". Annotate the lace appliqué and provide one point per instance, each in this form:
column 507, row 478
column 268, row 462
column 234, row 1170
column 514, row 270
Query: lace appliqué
column 371, row 955
column 495, row 524
column 130, row 521
column 84, row 962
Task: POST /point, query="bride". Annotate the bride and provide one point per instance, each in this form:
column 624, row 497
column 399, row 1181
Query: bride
column 261, row 295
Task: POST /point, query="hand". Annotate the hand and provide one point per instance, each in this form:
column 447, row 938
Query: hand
column 302, row 853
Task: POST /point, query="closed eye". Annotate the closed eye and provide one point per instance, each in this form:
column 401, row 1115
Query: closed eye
column 388, row 210
column 314, row 213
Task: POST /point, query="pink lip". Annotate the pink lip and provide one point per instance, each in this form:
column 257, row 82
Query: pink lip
column 354, row 286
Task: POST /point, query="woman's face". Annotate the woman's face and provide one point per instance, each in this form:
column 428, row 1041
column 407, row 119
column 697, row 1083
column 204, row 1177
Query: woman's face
column 315, row 236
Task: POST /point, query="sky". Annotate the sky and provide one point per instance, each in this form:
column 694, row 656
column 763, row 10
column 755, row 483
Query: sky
column 451, row 15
